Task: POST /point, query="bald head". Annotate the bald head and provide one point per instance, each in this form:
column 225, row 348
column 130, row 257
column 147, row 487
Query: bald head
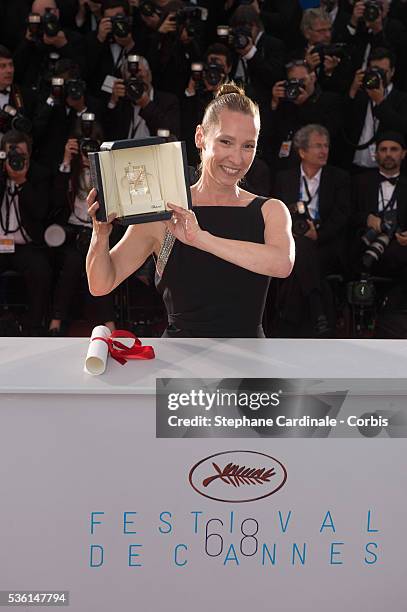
column 39, row 6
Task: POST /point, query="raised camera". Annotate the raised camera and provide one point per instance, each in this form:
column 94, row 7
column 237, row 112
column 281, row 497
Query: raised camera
column 16, row 160
column 372, row 11
column 50, row 23
column 135, row 86
column 120, row 26
column 148, row 8
column 75, row 88
column 339, row 50
column 240, row 37
column 292, row 89
column 87, row 144
column 374, row 78
column 58, row 90
column 213, row 74
column 34, row 23
column 14, row 120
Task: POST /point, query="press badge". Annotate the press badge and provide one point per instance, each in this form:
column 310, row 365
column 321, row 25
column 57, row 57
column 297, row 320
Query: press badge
column 7, row 245
column 108, row 83
column 285, row 148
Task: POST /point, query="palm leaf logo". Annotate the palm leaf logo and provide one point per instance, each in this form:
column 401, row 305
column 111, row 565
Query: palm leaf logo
column 237, row 475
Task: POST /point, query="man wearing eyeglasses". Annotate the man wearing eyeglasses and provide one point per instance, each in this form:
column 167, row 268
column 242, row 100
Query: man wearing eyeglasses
column 331, row 62
column 296, row 102
column 319, row 226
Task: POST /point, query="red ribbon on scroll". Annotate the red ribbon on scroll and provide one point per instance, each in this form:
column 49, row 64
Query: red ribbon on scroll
column 121, row 353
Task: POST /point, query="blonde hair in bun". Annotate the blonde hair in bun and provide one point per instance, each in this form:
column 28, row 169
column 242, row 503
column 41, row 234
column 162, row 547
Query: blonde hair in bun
column 233, row 98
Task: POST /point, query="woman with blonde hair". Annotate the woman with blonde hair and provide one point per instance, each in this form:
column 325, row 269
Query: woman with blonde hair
column 220, row 255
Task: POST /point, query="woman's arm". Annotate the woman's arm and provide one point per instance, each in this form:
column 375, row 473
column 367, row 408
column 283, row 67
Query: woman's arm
column 107, row 269
column 274, row 258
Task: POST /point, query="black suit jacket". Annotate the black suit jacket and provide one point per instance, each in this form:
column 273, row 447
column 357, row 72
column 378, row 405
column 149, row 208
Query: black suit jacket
column 161, row 113
column 265, row 68
column 33, row 201
column 334, row 199
column 365, row 192
column 391, row 113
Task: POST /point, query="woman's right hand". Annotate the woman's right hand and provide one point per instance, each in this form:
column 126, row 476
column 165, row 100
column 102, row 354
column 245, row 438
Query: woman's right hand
column 100, row 228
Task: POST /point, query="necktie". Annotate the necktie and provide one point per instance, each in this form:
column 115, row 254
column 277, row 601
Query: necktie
column 391, row 179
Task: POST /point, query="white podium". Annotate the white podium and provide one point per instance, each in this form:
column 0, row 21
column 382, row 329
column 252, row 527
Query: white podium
column 91, row 502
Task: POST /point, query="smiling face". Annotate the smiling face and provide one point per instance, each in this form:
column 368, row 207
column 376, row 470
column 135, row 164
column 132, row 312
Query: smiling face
column 228, row 148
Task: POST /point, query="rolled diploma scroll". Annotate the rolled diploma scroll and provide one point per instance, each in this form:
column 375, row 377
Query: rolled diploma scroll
column 96, row 359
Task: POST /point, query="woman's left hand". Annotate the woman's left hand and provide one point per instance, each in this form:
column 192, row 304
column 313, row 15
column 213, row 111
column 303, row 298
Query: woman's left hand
column 184, row 225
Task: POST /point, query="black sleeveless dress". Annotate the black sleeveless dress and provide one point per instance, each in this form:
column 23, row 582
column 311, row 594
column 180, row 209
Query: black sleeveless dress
column 206, row 296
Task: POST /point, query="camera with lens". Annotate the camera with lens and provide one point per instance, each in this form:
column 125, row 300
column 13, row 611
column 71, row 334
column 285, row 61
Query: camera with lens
column 50, row 23
column 372, row 11
column 197, row 74
column 16, row 160
column 189, row 17
column 339, row 50
column 58, row 90
column 300, row 217
column 87, row 144
column 361, row 292
column 34, row 23
column 135, row 86
column 377, row 242
column 213, row 74
column 292, row 89
column 10, row 118
column 222, row 33
column 240, row 36
column 120, row 26
column 75, row 88
column 148, row 8
column 373, row 78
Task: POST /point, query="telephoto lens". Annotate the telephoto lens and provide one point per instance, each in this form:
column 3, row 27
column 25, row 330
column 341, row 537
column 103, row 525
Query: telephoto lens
column 75, row 88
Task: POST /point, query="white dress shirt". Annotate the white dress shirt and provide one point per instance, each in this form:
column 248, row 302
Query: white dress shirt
column 313, row 188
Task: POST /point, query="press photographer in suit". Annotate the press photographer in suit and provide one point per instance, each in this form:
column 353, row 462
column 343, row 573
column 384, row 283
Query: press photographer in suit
column 380, row 201
column 373, row 105
column 318, row 196
column 16, row 103
column 136, row 109
column 24, row 197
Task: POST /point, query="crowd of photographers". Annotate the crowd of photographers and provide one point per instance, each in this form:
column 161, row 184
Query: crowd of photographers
column 331, row 83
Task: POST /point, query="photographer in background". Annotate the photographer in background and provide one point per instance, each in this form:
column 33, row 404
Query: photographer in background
column 43, row 37
column 370, row 27
column 205, row 79
column 258, row 57
column 136, row 109
column 71, row 187
column 202, row 88
column 380, row 203
column 297, row 102
column 318, row 196
column 108, row 47
column 330, row 59
column 57, row 116
column 174, row 46
column 373, row 105
column 24, row 198
column 16, row 104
